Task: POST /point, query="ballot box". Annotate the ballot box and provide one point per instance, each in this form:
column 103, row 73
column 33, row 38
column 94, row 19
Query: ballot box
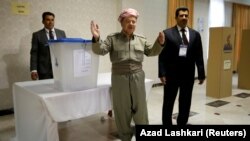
column 74, row 65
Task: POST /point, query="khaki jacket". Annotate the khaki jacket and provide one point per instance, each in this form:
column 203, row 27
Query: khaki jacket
column 124, row 51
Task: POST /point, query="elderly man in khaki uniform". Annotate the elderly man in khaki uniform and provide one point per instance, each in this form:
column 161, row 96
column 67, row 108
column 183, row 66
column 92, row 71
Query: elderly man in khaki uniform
column 126, row 50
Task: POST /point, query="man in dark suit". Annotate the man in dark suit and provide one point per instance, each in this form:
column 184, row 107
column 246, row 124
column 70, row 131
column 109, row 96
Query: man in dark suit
column 181, row 52
column 40, row 61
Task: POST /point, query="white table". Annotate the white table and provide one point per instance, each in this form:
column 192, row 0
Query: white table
column 39, row 106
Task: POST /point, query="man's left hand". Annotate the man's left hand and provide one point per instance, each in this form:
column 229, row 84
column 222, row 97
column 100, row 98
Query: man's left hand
column 161, row 38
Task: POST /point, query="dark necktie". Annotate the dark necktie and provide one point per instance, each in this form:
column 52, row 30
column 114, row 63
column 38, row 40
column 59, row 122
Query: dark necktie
column 184, row 37
column 51, row 36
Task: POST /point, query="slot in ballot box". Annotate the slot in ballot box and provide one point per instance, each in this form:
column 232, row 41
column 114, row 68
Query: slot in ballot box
column 74, row 65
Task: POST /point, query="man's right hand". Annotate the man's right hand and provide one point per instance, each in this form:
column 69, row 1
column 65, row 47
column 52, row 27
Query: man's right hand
column 34, row 75
column 95, row 30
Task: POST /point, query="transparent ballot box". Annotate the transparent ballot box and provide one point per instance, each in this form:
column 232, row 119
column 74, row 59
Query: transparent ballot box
column 75, row 66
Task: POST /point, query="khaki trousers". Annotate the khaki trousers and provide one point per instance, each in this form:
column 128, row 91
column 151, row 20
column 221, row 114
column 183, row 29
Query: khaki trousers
column 129, row 102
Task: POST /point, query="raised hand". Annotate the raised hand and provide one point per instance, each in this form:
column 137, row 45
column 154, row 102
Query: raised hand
column 161, row 38
column 95, row 30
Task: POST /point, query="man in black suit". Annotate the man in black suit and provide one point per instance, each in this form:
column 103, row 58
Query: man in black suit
column 177, row 62
column 40, row 62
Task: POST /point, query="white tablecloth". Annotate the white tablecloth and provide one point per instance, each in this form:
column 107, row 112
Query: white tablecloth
column 39, row 106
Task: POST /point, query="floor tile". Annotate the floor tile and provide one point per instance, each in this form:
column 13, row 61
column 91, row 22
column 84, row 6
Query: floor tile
column 242, row 95
column 175, row 115
column 217, row 103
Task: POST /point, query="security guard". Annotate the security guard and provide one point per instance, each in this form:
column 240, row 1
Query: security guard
column 126, row 51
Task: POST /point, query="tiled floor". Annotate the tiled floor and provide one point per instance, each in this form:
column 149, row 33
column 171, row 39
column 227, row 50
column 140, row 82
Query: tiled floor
column 205, row 110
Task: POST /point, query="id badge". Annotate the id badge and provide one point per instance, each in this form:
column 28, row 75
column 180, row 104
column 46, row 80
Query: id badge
column 183, row 50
